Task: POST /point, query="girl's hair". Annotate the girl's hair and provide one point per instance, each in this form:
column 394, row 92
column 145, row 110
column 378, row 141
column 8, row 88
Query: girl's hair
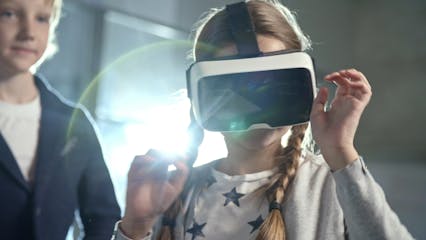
column 52, row 46
column 269, row 17
column 273, row 19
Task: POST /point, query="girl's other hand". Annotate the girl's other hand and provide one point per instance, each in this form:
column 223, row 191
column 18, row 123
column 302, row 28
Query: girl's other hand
column 151, row 189
column 334, row 130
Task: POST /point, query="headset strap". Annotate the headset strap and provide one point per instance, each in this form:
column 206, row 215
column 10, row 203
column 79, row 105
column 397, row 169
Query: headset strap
column 242, row 29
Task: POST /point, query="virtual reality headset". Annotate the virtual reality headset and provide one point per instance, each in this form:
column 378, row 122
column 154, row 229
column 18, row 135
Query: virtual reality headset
column 268, row 91
column 252, row 89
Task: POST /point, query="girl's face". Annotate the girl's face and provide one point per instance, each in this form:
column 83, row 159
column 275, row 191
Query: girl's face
column 256, row 138
column 24, row 33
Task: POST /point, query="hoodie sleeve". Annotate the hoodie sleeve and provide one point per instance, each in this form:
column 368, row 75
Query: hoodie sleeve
column 366, row 211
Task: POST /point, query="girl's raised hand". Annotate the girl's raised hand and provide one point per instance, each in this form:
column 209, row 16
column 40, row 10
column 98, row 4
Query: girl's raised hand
column 151, row 189
column 334, row 129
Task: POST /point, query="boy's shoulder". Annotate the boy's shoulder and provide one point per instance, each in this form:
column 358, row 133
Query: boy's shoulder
column 60, row 108
column 51, row 99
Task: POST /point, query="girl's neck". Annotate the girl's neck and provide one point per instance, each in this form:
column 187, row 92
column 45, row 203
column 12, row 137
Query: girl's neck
column 18, row 89
column 244, row 161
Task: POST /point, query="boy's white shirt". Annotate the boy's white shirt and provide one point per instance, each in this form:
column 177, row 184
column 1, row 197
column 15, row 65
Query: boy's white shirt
column 19, row 126
column 318, row 203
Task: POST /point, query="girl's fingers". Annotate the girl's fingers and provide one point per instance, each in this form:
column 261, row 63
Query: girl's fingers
column 360, row 86
column 318, row 105
column 337, row 78
column 153, row 167
column 357, row 81
column 140, row 162
column 331, row 75
column 355, row 76
column 148, row 168
column 349, row 80
column 341, row 83
column 178, row 177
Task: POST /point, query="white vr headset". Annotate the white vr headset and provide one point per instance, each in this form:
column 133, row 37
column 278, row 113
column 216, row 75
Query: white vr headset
column 252, row 89
column 273, row 90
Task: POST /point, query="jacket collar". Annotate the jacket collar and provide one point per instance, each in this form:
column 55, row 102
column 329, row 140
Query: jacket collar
column 52, row 134
column 8, row 162
column 54, row 121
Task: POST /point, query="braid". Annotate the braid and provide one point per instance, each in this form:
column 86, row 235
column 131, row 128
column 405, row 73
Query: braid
column 166, row 232
column 274, row 227
column 196, row 134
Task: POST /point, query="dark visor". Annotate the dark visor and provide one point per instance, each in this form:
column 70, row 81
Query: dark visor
column 234, row 102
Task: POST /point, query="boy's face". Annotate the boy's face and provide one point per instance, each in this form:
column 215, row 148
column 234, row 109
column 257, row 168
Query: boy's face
column 24, row 33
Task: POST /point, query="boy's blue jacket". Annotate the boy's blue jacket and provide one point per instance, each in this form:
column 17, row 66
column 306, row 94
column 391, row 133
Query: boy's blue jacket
column 70, row 174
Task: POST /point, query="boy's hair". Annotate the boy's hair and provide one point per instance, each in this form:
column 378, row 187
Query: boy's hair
column 52, row 46
column 269, row 18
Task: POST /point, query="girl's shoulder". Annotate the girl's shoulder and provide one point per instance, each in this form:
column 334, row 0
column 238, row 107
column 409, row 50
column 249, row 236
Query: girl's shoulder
column 201, row 172
column 313, row 165
column 314, row 174
column 315, row 160
column 309, row 161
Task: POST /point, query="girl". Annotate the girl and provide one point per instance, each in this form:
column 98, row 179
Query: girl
column 46, row 172
column 263, row 190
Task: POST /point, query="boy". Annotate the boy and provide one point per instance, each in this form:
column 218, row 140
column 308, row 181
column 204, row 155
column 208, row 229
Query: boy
column 51, row 162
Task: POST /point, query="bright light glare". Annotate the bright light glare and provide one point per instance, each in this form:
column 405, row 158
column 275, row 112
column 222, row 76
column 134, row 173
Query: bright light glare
column 163, row 128
column 212, row 148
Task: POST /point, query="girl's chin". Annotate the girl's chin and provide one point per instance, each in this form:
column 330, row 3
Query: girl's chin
column 257, row 132
column 257, row 138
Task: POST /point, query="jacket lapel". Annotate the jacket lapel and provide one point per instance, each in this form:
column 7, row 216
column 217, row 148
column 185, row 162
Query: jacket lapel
column 52, row 134
column 51, row 138
column 8, row 162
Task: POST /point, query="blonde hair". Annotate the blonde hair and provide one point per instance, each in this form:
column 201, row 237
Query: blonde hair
column 274, row 225
column 52, row 46
column 269, row 17
column 211, row 34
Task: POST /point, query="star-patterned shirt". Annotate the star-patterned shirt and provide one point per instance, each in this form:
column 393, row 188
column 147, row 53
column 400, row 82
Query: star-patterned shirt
column 320, row 205
column 224, row 201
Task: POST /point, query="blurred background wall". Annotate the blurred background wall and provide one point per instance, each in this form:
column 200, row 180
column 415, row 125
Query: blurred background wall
column 126, row 60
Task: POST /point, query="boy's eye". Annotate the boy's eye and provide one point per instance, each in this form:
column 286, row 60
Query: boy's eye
column 43, row 19
column 7, row 14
